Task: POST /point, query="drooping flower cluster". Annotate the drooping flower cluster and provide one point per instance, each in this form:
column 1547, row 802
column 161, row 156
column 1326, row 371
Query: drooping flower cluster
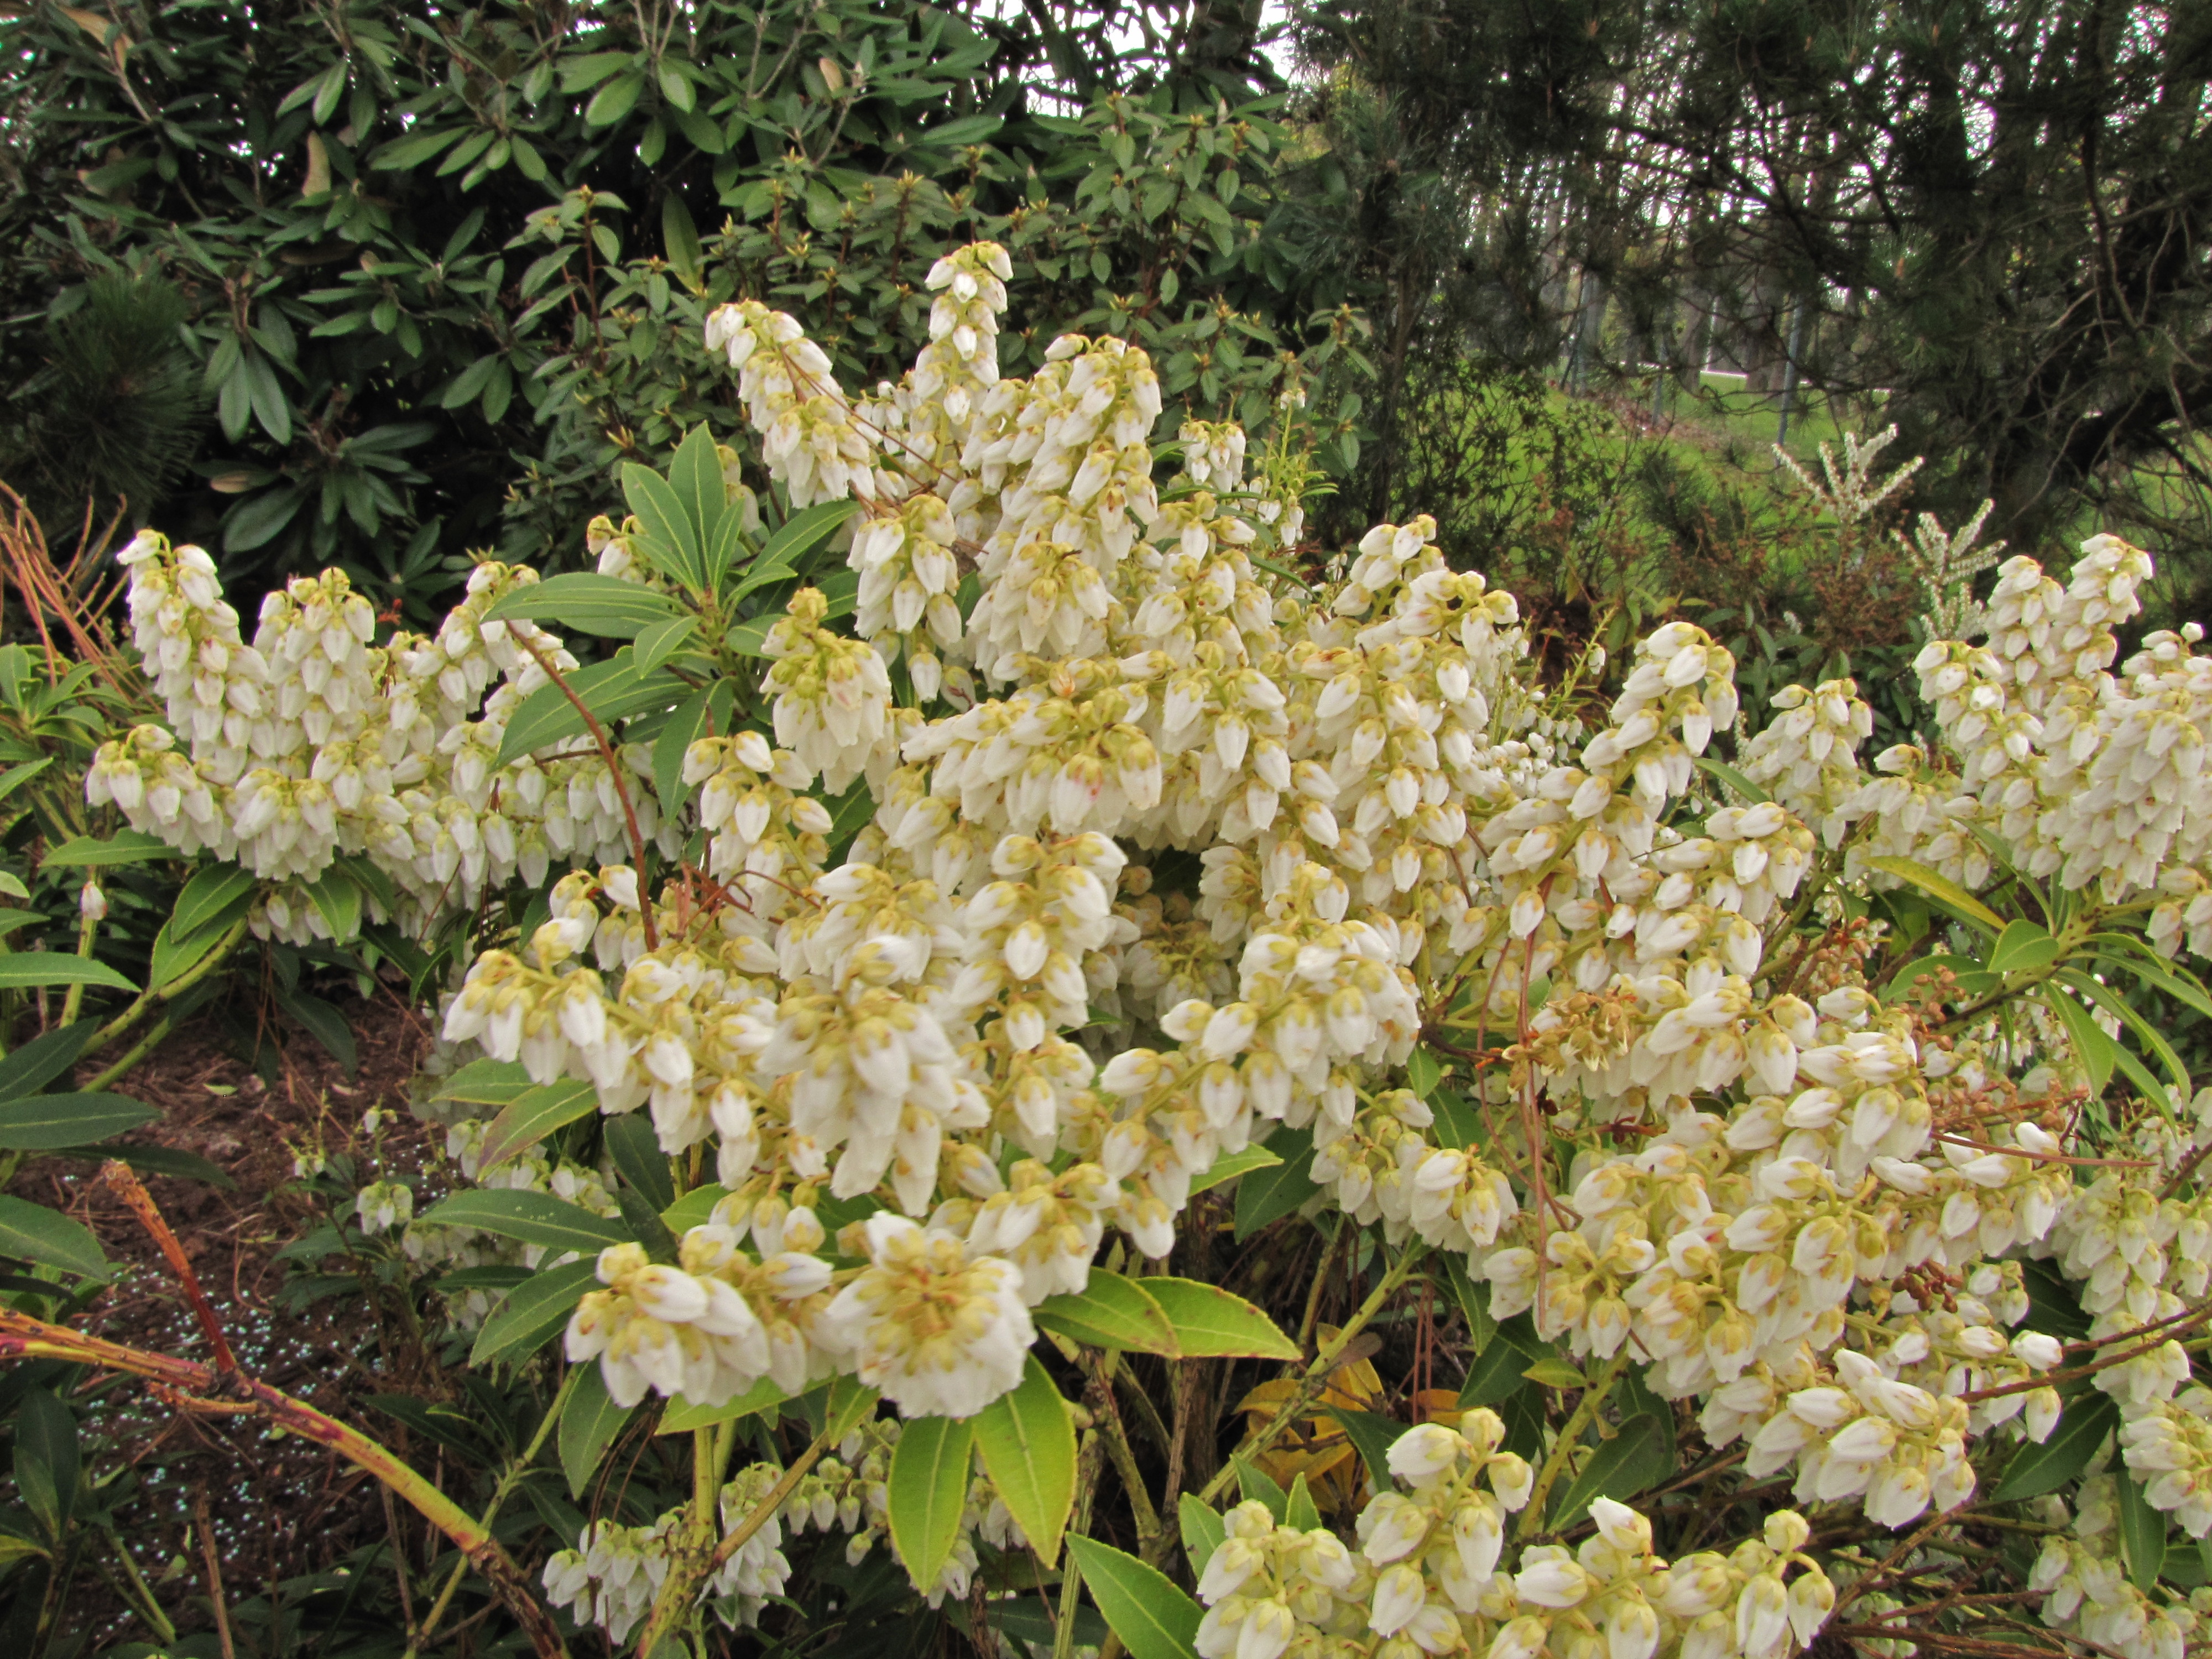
column 1170, row 855
column 1426, row 1577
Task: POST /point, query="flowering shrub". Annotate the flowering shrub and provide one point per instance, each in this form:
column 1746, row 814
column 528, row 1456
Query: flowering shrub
column 1802, row 1106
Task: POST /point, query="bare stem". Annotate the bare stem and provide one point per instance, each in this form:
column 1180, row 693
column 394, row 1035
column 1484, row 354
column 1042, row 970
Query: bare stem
column 614, row 772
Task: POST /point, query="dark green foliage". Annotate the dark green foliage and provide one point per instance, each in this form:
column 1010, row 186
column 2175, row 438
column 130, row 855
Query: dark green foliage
column 118, row 411
column 1982, row 221
column 441, row 267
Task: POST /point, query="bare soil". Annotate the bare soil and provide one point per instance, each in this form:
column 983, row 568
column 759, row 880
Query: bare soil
column 279, row 1507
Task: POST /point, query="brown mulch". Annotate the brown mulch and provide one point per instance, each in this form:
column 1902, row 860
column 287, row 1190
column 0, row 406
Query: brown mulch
column 280, row 1507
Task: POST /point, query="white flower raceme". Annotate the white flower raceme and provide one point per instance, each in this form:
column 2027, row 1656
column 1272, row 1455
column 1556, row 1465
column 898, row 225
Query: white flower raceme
column 938, row 1332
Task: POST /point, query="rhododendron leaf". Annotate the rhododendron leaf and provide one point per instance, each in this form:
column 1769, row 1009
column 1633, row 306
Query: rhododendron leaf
column 1634, row 1459
column 1202, row 1528
column 1211, row 1323
column 1942, row 889
column 1028, row 1443
column 590, row 1420
column 2089, row 1419
column 1142, row 1606
column 1110, row 1312
column 926, row 1491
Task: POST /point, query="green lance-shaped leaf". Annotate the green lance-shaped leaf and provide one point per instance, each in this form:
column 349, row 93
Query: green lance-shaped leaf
column 1110, row 1312
column 1028, row 1443
column 1141, row 1605
column 927, row 1490
column 1211, row 1323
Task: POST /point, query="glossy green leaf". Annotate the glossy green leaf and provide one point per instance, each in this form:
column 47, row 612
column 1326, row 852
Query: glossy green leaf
column 324, row 1021
column 1299, row 1510
column 1748, row 792
column 661, row 511
column 1372, row 1435
column 1202, row 1528
column 1028, row 1443
column 23, row 969
column 926, row 1491
column 661, row 641
column 338, row 900
column 695, row 1209
column 533, row 1115
column 1423, row 1071
column 694, row 477
column 1110, row 1312
column 1942, row 889
column 31, row 1232
column 530, row 1218
column 123, row 848
column 486, row 1082
column 635, row 1149
column 1229, row 1165
column 2142, row 1531
column 1974, row 979
column 534, row 1310
column 1633, row 1460
column 43, row 1058
column 1141, row 1605
column 1266, row 1195
column 2089, row 1420
column 48, row 1466
column 708, row 705
column 612, row 690
column 2023, row 948
column 587, row 603
column 1554, row 1372
column 590, row 1420
column 39, row 1123
column 208, row 897
column 173, row 957
column 803, row 532
column 2131, row 1019
column 2096, row 1050
column 681, row 1415
column 679, row 238
column 1255, row 1486
column 1212, row 1323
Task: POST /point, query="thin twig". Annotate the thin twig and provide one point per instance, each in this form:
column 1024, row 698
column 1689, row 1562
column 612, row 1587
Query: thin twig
column 205, row 1527
column 127, row 1187
column 614, row 772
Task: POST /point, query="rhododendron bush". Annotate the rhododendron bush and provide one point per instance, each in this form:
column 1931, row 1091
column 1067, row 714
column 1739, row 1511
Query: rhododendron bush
column 993, row 860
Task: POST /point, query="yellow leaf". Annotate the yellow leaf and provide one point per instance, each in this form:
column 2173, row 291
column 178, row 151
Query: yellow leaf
column 319, row 168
